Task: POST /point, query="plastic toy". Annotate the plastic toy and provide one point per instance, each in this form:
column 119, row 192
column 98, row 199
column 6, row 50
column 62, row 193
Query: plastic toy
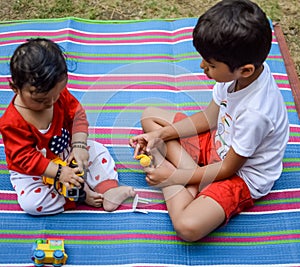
column 48, row 251
column 137, row 199
column 145, row 160
column 73, row 193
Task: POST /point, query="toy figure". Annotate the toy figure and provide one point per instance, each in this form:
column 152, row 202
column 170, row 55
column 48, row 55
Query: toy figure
column 145, row 160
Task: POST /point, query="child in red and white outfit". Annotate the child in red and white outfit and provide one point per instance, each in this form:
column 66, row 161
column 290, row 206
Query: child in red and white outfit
column 45, row 121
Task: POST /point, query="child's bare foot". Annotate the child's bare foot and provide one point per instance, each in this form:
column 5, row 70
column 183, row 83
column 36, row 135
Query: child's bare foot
column 114, row 197
column 93, row 198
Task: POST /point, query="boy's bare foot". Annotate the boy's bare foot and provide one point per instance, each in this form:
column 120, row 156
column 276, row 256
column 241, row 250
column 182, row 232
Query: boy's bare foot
column 114, row 197
column 160, row 160
column 93, row 198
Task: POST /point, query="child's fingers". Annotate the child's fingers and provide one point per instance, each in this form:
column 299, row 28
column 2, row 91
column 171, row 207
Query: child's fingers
column 67, row 185
column 137, row 150
column 133, row 142
column 70, row 158
column 85, row 164
column 77, row 181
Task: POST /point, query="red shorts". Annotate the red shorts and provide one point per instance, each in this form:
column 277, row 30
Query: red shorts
column 232, row 193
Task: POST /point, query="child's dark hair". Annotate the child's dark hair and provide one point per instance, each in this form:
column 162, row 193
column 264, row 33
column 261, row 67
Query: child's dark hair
column 235, row 32
column 40, row 63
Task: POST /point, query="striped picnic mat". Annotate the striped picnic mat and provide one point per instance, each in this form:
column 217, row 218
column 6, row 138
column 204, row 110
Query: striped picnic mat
column 117, row 69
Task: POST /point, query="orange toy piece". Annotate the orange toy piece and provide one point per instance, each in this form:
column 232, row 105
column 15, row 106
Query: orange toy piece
column 145, row 160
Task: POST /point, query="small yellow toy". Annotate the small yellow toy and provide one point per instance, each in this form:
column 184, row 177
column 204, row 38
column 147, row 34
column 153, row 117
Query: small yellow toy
column 145, row 160
column 48, row 251
column 73, row 193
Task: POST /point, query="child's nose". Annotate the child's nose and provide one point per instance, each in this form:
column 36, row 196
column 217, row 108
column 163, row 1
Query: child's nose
column 203, row 64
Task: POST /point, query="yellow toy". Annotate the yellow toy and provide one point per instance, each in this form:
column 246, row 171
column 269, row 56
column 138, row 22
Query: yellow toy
column 145, row 160
column 73, row 193
column 50, row 251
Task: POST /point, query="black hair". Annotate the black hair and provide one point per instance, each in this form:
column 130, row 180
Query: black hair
column 235, row 32
column 40, row 63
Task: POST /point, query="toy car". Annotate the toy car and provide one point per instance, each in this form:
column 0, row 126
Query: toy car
column 73, row 193
column 48, row 251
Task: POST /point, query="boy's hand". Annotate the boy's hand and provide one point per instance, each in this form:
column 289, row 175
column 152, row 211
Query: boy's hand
column 161, row 175
column 144, row 143
column 139, row 143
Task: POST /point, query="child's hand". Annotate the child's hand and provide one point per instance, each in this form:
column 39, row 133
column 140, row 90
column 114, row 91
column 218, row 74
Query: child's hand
column 139, row 143
column 143, row 143
column 160, row 176
column 81, row 156
column 69, row 176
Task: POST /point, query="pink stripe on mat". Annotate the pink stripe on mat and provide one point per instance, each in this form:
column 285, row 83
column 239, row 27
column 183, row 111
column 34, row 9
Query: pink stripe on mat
column 274, row 202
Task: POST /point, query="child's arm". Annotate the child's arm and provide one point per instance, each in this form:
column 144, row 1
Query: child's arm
column 164, row 175
column 76, row 116
column 192, row 125
column 196, row 123
column 79, row 150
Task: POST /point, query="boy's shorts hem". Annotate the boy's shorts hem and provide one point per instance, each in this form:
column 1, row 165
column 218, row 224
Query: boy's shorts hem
column 232, row 194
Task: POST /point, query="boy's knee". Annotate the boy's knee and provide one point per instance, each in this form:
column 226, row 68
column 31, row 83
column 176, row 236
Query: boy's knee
column 188, row 230
column 150, row 112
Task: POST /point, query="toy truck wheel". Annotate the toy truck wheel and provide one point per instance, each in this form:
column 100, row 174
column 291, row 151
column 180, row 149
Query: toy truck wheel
column 58, row 256
column 38, row 256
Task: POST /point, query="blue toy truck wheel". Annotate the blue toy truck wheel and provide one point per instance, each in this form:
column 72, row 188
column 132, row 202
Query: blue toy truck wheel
column 58, row 256
column 38, row 256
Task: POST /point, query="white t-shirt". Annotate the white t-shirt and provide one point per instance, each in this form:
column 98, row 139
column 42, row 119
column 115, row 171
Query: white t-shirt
column 254, row 122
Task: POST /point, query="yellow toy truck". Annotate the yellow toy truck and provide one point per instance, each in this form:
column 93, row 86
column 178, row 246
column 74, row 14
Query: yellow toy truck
column 49, row 251
column 73, row 193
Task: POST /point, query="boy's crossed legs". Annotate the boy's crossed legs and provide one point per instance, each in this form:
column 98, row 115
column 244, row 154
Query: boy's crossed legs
column 196, row 209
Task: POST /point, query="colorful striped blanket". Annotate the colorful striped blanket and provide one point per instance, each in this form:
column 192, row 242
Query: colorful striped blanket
column 117, row 69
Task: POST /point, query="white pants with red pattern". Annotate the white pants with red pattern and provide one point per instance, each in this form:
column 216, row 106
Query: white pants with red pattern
column 37, row 198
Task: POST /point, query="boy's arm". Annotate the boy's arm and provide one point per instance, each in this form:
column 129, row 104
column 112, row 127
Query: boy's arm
column 189, row 126
column 200, row 175
column 220, row 170
column 192, row 125
column 211, row 172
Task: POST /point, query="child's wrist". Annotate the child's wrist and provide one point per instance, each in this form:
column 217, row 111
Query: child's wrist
column 58, row 173
column 79, row 144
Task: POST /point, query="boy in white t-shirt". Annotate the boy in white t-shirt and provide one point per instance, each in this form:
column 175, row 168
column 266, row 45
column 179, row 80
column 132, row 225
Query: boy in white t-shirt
column 215, row 163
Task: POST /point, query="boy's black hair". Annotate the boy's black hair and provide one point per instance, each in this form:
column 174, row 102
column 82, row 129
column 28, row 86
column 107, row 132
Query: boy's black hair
column 235, row 32
column 40, row 63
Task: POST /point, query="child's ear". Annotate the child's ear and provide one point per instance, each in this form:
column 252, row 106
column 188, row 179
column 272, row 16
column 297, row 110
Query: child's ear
column 13, row 87
column 247, row 70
